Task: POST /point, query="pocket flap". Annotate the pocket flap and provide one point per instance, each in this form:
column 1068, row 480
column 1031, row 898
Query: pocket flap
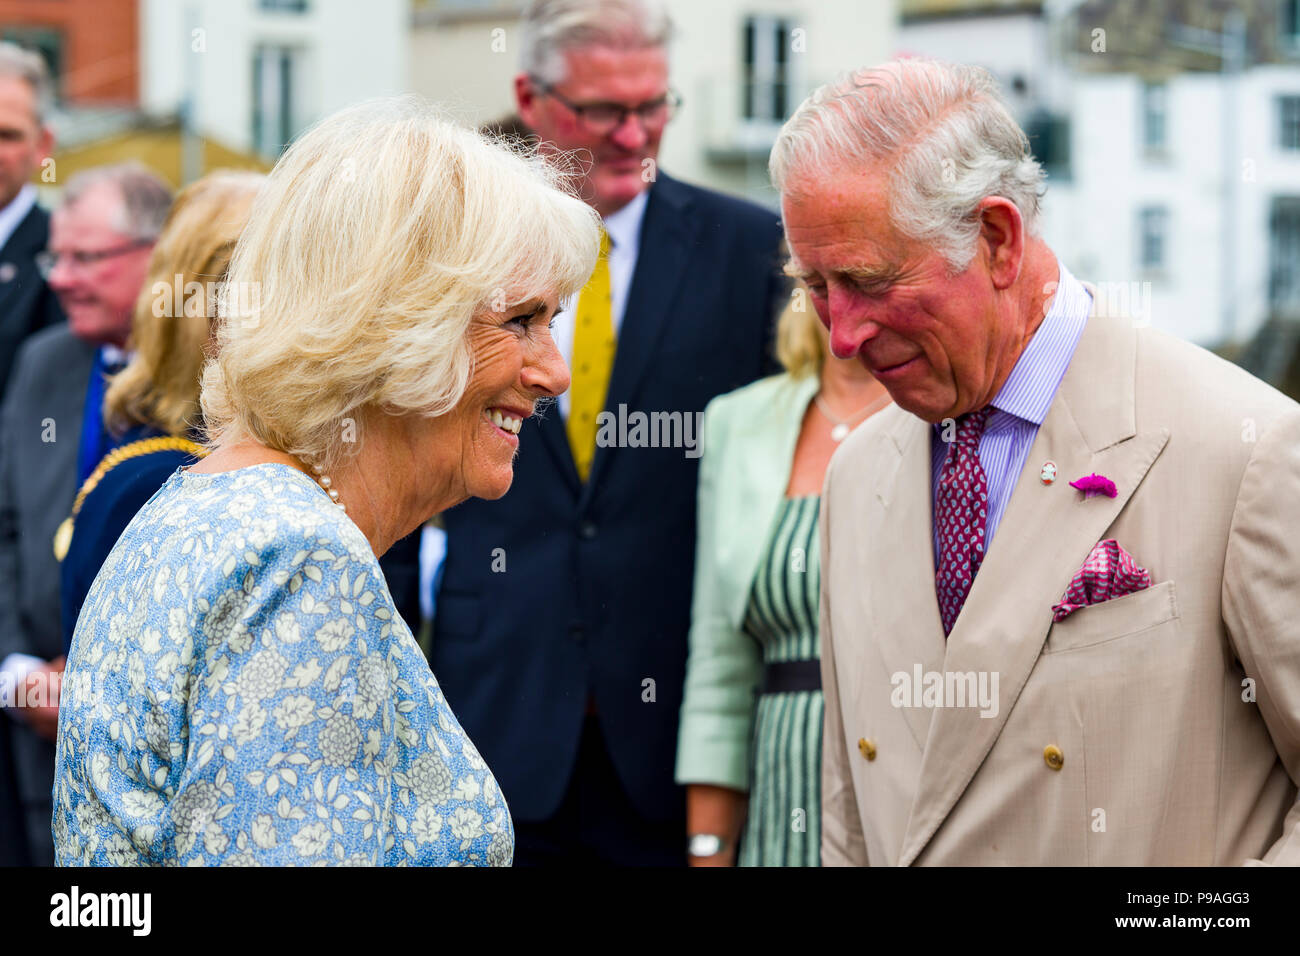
column 1118, row 617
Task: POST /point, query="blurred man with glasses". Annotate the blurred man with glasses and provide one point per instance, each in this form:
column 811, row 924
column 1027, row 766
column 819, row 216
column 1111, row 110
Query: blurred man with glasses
column 561, row 623
column 52, row 436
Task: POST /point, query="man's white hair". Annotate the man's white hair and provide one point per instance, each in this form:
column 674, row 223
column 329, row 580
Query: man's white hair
column 553, row 26
column 29, row 66
column 942, row 130
column 145, row 198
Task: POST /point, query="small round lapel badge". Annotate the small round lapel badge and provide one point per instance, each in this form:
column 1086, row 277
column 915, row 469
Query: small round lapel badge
column 1048, row 474
column 8, row 271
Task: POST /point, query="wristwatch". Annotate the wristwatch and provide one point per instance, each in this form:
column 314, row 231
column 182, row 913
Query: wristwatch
column 705, row 844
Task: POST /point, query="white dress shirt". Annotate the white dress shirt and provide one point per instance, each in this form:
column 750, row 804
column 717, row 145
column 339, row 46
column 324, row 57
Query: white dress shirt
column 624, row 228
column 14, row 213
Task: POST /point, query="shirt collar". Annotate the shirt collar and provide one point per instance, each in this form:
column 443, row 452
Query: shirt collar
column 111, row 355
column 624, row 226
column 1029, row 389
column 14, row 213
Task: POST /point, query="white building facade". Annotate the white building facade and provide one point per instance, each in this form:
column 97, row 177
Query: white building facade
column 1181, row 198
column 258, row 72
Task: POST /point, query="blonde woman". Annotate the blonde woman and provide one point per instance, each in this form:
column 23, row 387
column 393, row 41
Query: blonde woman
column 752, row 767
column 154, row 400
column 269, row 705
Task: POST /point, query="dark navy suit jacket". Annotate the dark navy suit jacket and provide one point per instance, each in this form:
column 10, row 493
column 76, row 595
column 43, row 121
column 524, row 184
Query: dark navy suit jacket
column 26, row 302
column 596, row 593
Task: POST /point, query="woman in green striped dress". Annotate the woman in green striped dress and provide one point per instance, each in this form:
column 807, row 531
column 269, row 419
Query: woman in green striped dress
column 749, row 748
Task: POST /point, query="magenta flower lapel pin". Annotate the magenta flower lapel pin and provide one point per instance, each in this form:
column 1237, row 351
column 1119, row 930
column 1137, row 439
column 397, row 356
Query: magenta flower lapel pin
column 1095, row 485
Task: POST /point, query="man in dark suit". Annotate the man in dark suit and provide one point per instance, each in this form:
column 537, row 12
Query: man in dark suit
column 52, row 436
column 561, row 624
column 26, row 303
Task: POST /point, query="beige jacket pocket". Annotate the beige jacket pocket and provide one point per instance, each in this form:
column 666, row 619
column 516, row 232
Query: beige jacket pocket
column 1116, row 618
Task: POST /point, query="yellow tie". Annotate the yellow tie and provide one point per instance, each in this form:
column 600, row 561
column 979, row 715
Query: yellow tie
column 593, row 359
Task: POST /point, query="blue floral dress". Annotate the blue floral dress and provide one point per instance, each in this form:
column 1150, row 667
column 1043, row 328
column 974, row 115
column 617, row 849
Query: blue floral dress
column 240, row 691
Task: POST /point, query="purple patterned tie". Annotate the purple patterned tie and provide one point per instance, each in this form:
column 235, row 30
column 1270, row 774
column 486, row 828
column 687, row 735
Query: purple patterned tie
column 961, row 516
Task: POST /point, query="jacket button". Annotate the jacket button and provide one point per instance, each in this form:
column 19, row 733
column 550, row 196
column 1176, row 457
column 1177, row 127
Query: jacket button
column 1053, row 757
column 577, row 634
column 587, row 530
column 866, row 748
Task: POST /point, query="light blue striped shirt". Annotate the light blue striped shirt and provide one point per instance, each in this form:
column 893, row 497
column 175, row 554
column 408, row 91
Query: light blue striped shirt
column 1022, row 403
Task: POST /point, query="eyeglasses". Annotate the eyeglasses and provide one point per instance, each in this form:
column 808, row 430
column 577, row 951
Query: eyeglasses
column 47, row 261
column 602, row 118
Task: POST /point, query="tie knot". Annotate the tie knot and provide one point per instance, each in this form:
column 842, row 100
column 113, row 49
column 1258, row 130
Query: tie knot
column 971, row 426
column 605, row 242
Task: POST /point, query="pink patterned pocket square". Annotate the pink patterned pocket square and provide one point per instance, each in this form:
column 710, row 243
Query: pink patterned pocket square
column 1109, row 572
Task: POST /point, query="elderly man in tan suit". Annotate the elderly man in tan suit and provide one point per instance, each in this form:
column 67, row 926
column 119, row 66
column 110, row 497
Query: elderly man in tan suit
column 1119, row 681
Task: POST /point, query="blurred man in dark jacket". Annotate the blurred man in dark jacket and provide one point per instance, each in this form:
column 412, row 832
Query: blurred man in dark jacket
column 26, row 303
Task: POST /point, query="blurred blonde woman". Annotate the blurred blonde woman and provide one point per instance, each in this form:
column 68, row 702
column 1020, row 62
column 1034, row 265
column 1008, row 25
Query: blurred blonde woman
column 752, row 767
column 154, row 401
column 400, row 337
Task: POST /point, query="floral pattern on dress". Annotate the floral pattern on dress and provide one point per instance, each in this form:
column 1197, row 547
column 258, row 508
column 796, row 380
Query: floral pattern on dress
column 242, row 692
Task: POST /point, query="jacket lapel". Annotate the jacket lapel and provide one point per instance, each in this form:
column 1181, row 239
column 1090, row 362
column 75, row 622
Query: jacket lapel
column 26, row 240
column 668, row 235
column 906, row 628
column 550, row 426
column 769, row 438
column 1045, row 535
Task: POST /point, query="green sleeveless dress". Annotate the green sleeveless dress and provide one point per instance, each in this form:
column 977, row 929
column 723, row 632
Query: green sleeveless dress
column 784, row 824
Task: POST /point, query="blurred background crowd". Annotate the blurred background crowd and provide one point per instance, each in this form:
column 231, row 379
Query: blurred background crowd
column 1169, row 131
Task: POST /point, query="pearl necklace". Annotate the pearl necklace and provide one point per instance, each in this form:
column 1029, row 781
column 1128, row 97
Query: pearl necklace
column 841, row 428
column 326, row 484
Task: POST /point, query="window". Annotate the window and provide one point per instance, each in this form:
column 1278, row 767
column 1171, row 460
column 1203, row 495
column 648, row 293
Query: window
column 275, row 79
column 1153, row 117
column 1289, row 23
column 1153, row 230
column 767, row 69
column 1049, row 141
column 1284, row 257
column 1288, row 114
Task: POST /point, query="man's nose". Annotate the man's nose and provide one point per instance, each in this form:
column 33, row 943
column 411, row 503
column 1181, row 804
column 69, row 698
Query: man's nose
column 631, row 133
column 849, row 328
column 60, row 275
column 544, row 370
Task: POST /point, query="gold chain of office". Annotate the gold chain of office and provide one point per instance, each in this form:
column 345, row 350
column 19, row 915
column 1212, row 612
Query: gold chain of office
column 146, row 446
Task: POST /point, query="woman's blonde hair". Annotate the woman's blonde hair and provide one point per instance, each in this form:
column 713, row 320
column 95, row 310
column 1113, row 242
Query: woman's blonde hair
column 801, row 340
column 379, row 234
column 175, row 309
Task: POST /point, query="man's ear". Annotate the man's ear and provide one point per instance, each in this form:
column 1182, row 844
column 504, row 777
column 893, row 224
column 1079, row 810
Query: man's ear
column 525, row 99
column 45, row 143
column 1002, row 239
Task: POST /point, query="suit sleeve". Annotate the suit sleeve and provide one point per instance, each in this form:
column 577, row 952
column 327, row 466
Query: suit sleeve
column 842, row 840
column 1261, row 600
column 723, row 666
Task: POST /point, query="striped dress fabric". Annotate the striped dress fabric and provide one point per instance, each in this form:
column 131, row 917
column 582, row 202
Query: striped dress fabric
column 784, row 824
